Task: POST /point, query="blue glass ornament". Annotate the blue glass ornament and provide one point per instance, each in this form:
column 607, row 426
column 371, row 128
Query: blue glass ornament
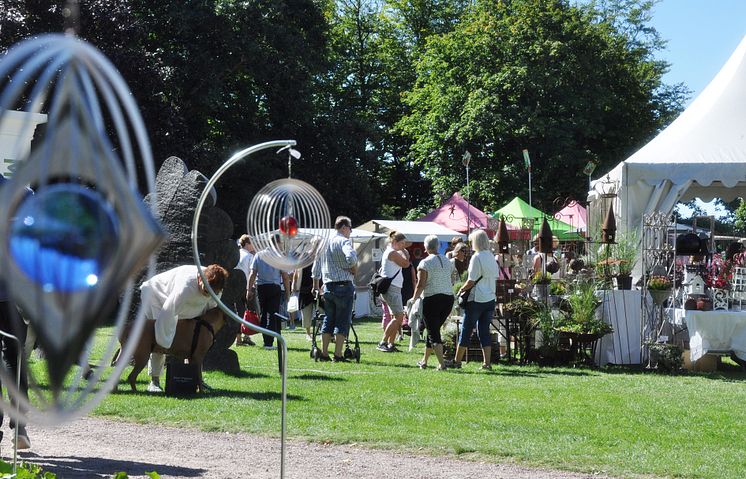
column 63, row 237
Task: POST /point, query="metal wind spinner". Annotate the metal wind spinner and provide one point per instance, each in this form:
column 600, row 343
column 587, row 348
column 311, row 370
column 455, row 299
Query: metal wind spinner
column 70, row 249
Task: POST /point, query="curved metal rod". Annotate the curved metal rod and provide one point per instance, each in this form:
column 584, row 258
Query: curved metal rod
column 195, row 250
column 19, row 365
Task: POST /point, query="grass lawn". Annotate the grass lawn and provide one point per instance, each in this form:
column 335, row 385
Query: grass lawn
column 617, row 421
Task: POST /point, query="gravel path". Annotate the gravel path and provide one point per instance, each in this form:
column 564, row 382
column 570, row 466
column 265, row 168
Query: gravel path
column 94, row 448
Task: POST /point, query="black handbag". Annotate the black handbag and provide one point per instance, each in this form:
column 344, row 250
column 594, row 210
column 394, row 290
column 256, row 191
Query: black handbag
column 380, row 284
column 182, row 379
column 463, row 296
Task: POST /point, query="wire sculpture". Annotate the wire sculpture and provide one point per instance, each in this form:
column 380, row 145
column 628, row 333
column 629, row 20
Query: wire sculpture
column 70, row 249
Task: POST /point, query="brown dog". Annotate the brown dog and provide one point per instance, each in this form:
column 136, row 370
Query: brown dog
column 181, row 346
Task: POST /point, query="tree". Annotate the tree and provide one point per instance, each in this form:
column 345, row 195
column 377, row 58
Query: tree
column 557, row 79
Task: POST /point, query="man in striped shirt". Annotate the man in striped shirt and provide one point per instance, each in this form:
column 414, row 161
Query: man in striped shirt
column 335, row 266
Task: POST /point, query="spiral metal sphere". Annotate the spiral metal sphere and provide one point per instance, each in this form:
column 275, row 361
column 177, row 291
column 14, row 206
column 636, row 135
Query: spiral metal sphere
column 72, row 243
column 290, row 220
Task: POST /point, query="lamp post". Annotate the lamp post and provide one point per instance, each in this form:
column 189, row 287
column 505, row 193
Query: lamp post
column 465, row 159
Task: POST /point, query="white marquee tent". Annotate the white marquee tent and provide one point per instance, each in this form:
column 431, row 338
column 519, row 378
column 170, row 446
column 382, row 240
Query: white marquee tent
column 701, row 154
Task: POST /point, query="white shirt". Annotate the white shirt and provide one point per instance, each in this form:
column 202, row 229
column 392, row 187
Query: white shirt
column 389, row 268
column 244, row 262
column 483, row 265
column 439, row 275
column 173, row 295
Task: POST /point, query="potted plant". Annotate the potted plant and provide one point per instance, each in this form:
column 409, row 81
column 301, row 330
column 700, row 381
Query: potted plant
column 581, row 324
column 660, row 288
column 541, row 283
column 625, row 254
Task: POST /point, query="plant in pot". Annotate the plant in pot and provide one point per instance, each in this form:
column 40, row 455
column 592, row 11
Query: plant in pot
column 541, row 282
column 625, row 254
column 660, row 288
column 545, row 322
column 581, row 324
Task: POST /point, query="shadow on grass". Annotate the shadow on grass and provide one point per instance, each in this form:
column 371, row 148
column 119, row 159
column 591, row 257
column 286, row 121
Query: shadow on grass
column 318, row 377
column 245, row 374
column 85, row 467
column 216, row 393
column 726, row 372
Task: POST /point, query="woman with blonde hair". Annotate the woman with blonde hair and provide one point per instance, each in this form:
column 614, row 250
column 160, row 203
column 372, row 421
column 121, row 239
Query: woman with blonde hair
column 480, row 306
column 394, row 258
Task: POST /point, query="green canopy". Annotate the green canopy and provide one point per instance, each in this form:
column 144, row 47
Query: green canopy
column 519, row 214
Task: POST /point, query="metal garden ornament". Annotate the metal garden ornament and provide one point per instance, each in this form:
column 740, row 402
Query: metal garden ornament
column 70, row 249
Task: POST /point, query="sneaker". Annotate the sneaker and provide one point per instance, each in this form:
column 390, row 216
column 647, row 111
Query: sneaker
column 291, row 326
column 247, row 341
column 23, row 441
column 308, row 337
column 422, row 364
column 154, row 387
column 324, row 359
column 383, row 347
column 486, row 367
column 340, row 359
column 393, row 349
column 270, row 348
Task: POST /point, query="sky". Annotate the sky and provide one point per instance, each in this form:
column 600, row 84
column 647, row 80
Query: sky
column 701, row 36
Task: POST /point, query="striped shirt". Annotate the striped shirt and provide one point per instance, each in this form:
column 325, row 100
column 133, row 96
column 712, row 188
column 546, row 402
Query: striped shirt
column 333, row 263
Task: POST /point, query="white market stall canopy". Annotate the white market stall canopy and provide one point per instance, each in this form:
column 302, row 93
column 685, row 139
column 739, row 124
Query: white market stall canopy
column 415, row 231
column 357, row 235
column 701, row 154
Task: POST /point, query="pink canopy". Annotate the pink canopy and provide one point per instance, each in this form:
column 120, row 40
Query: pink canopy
column 453, row 215
column 574, row 215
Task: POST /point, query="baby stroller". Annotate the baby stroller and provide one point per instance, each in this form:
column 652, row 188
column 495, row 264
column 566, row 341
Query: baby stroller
column 349, row 352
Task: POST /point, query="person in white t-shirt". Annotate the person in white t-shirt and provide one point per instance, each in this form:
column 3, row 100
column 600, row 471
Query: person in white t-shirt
column 394, row 258
column 245, row 257
column 480, row 308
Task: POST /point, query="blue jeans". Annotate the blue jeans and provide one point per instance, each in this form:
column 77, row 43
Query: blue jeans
column 338, row 308
column 479, row 314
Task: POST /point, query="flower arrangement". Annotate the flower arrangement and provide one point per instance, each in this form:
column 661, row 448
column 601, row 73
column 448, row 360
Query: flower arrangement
column 541, row 278
column 659, row 283
column 719, row 273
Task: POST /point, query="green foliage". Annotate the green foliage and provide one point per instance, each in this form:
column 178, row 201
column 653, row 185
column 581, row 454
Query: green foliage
column 25, row 470
column 541, row 278
column 383, row 97
column 531, row 74
column 625, row 252
column 740, row 215
column 666, row 357
column 582, row 317
column 557, row 288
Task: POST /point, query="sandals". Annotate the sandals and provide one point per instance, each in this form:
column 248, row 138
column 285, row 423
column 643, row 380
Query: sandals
column 453, row 364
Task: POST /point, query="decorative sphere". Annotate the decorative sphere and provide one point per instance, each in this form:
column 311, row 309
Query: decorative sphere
column 289, row 220
column 62, row 237
column 288, row 226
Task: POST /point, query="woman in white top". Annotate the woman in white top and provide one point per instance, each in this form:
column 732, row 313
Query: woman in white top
column 394, row 258
column 434, row 283
column 480, row 308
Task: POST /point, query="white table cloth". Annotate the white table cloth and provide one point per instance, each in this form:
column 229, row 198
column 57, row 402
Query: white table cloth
column 716, row 331
column 621, row 309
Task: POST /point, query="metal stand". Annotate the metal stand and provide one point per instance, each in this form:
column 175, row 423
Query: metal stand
column 18, row 406
column 657, row 256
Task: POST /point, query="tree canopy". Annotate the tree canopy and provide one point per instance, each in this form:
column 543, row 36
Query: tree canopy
column 383, row 96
